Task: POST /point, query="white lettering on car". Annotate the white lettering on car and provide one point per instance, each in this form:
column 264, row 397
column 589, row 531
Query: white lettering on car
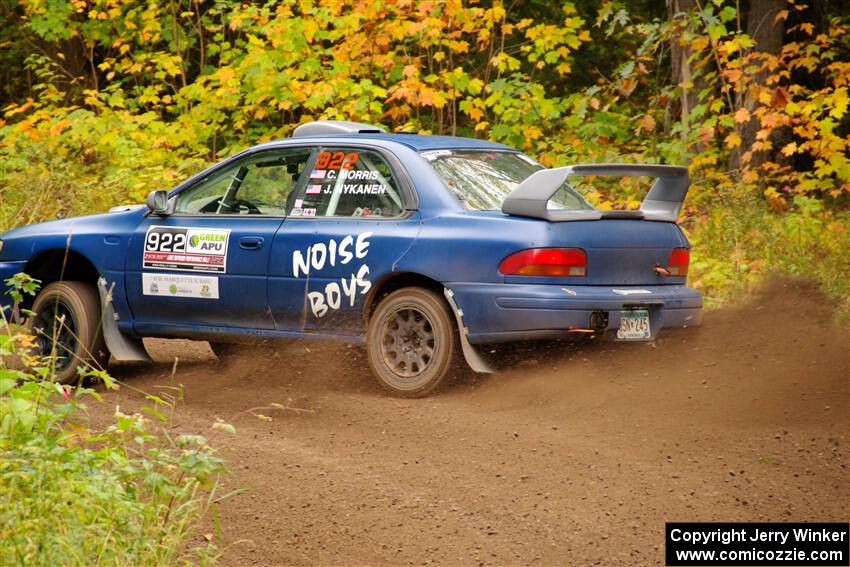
column 321, row 255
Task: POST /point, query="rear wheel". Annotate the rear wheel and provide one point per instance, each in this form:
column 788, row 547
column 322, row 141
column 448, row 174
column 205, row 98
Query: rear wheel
column 67, row 326
column 412, row 342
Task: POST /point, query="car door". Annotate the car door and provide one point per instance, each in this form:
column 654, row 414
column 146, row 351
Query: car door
column 349, row 224
column 207, row 263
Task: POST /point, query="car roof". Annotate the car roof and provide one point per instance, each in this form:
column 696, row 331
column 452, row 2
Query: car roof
column 416, row 142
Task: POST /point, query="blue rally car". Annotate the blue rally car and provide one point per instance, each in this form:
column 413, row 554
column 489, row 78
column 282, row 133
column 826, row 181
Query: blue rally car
column 422, row 248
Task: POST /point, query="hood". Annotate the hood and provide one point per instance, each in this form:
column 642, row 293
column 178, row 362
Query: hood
column 101, row 222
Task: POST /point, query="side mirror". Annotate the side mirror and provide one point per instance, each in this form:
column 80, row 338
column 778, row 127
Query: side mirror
column 158, row 202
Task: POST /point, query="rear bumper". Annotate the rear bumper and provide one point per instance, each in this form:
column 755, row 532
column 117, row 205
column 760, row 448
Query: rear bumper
column 512, row 312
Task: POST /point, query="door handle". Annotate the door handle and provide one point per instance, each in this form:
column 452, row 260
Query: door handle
column 251, row 242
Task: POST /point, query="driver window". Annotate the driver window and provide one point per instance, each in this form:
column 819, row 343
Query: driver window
column 350, row 182
column 261, row 184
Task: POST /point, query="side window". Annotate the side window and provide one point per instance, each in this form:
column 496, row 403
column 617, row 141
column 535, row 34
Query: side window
column 350, row 182
column 262, row 184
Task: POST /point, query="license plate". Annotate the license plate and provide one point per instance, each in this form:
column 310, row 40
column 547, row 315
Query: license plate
column 634, row 325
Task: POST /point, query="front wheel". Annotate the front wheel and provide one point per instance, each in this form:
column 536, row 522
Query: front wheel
column 412, row 342
column 67, row 327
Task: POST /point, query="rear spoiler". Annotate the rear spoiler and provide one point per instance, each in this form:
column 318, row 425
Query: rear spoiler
column 663, row 202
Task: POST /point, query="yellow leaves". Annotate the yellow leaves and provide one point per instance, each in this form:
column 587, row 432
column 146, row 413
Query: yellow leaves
column 706, row 133
column 533, row 133
column 458, row 46
column 839, row 103
column 732, row 75
column 750, row 175
column 476, row 114
column 742, row 115
column 770, row 120
column 647, row 124
column 310, row 29
column 57, row 128
column 225, row 74
column 627, row 86
column 431, row 97
column 411, row 71
column 14, row 109
column 733, row 140
column 728, row 47
column 789, row 149
column 698, row 45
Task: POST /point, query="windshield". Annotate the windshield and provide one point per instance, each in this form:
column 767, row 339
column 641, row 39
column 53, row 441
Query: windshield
column 481, row 180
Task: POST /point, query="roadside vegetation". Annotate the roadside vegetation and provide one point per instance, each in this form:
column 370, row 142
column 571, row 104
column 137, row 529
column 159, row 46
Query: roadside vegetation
column 72, row 493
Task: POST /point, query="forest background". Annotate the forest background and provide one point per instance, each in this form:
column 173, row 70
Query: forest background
column 103, row 101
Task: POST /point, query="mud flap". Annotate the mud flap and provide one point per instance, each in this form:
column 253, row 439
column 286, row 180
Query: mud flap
column 120, row 345
column 473, row 359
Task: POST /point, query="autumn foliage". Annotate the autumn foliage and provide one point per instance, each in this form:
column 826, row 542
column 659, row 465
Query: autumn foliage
column 106, row 100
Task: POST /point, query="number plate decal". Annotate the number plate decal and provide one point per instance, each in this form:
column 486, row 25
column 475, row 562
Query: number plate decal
column 186, row 248
column 634, row 325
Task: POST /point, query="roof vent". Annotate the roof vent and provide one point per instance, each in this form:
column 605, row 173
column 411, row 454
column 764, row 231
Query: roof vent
column 330, row 127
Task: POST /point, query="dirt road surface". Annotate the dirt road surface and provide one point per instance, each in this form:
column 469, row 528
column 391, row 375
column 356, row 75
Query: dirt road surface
column 574, row 455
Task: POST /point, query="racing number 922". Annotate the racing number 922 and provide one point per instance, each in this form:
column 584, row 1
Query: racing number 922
column 161, row 241
column 336, row 160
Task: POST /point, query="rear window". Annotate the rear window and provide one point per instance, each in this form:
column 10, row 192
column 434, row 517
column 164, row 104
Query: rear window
column 480, row 180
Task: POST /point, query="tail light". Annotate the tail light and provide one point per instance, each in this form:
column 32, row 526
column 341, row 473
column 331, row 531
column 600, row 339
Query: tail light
column 678, row 263
column 552, row 262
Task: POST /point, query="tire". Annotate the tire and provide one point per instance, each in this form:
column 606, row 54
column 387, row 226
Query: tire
column 412, row 342
column 223, row 351
column 79, row 341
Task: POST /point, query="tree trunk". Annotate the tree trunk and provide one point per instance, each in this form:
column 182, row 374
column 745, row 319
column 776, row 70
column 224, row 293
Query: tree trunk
column 682, row 68
column 768, row 34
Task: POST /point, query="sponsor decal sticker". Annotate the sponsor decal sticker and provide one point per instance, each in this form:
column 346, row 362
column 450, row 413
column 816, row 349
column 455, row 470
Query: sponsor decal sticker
column 172, row 285
column 186, row 248
column 295, row 212
column 298, row 203
column 332, row 253
column 308, row 212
